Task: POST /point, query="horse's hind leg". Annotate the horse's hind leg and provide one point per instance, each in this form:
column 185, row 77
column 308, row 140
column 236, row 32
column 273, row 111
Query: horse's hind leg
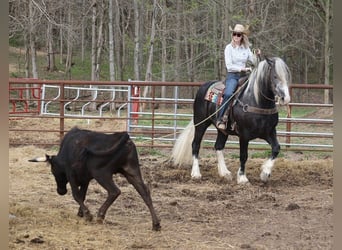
column 196, row 144
column 266, row 168
column 241, row 175
column 221, row 165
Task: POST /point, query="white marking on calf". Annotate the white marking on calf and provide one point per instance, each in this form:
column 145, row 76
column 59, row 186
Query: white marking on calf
column 195, row 172
column 241, row 178
column 221, row 165
column 266, row 169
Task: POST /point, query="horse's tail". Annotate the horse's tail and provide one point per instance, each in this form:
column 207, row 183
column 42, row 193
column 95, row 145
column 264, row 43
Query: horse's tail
column 182, row 149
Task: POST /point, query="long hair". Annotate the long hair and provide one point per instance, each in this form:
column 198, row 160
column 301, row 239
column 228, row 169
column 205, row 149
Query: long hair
column 244, row 41
column 182, row 150
column 259, row 75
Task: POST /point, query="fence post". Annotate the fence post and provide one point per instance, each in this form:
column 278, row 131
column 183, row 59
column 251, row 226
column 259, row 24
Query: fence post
column 61, row 113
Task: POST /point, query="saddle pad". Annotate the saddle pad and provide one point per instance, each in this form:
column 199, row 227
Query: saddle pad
column 215, row 92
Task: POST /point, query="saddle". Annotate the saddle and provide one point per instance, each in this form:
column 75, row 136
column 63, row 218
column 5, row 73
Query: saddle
column 215, row 94
column 216, row 90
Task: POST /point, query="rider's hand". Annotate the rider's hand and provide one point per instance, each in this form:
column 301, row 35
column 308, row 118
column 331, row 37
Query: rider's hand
column 246, row 69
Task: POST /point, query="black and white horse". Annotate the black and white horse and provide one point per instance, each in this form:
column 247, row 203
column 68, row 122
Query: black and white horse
column 253, row 115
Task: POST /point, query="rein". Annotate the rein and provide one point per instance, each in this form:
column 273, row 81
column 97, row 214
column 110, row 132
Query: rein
column 256, row 110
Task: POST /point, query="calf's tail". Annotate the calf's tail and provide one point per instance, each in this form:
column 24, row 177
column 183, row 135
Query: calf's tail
column 182, row 149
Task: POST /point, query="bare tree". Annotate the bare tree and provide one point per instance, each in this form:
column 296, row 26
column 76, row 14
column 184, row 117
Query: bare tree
column 163, row 34
column 190, row 36
column 111, row 41
column 177, row 41
column 137, row 39
column 32, row 40
column 69, row 42
column 327, row 49
column 93, row 40
column 148, row 76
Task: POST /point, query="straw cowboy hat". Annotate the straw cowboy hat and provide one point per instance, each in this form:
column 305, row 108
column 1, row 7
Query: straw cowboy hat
column 240, row 29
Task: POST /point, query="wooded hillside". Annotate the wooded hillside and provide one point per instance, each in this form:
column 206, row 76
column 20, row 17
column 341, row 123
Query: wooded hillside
column 168, row 40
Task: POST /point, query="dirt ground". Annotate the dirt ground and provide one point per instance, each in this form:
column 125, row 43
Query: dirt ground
column 293, row 210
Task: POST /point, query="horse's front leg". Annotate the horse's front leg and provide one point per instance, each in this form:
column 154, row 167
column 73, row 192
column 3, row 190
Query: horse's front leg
column 267, row 166
column 241, row 175
column 221, row 165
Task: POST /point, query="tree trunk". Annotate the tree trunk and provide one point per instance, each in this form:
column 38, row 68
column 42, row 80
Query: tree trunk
column 111, row 48
column 163, row 44
column 50, row 49
column 61, row 40
column 148, row 76
column 227, row 10
column 119, row 42
column 137, row 49
column 327, row 51
column 99, row 43
column 32, row 41
column 111, row 41
column 93, row 41
column 177, row 42
column 27, row 56
column 69, row 45
column 82, row 32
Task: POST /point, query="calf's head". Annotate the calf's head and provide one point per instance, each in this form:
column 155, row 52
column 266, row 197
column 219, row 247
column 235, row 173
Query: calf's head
column 57, row 171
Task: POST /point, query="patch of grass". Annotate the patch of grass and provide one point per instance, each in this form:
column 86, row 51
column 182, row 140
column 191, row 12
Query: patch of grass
column 149, row 151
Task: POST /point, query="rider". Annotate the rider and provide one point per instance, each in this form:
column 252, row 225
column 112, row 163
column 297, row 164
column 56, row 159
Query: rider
column 236, row 55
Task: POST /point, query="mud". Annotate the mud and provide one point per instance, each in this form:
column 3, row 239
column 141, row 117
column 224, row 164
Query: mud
column 293, row 210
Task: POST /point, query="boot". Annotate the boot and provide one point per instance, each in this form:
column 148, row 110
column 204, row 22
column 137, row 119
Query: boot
column 222, row 123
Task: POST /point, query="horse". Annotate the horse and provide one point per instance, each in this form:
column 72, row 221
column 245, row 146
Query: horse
column 252, row 114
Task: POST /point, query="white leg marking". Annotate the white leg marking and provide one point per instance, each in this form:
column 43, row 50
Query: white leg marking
column 221, row 165
column 195, row 172
column 241, row 178
column 266, row 170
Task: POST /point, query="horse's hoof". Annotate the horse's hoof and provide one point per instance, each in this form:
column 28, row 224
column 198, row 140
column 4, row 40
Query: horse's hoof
column 196, row 177
column 228, row 177
column 264, row 176
column 242, row 179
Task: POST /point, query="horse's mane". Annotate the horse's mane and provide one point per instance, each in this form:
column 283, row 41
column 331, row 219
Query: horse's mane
column 259, row 77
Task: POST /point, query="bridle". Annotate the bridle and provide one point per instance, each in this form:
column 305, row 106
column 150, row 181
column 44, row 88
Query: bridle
column 257, row 110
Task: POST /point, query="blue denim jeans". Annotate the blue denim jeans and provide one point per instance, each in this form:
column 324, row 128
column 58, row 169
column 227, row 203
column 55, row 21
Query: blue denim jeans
column 232, row 80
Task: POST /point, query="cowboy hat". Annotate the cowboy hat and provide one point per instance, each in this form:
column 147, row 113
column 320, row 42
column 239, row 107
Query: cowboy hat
column 240, row 29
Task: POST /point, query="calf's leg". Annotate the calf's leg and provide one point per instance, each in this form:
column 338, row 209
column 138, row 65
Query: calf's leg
column 82, row 192
column 134, row 177
column 106, row 181
column 79, row 196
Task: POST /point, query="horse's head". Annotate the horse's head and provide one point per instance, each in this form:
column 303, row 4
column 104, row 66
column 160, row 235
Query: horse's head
column 280, row 77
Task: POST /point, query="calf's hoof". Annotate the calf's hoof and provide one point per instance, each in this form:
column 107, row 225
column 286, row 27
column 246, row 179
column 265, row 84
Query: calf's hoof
column 156, row 227
column 88, row 217
column 99, row 220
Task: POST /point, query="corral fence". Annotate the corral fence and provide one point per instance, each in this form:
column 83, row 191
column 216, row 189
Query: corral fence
column 42, row 111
